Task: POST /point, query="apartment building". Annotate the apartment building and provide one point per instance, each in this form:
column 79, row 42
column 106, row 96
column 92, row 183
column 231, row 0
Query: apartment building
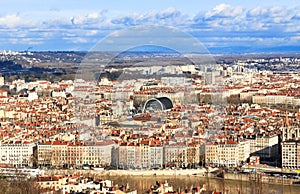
column 122, row 152
column 75, row 153
column 145, row 154
column 275, row 99
column 266, row 146
column 59, row 153
column 290, row 154
column 155, row 154
column 229, row 153
column 44, row 150
column 176, row 153
column 17, row 153
column 193, row 153
column 290, row 132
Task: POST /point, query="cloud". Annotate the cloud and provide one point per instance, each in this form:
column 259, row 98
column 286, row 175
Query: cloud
column 26, row 41
column 258, row 11
column 223, row 25
column 90, row 18
column 170, row 13
column 222, row 17
column 271, row 16
column 92, row 32
column 169, row 16
column 224, row 10
column 76, row 40
column 15, row 21
column 270, row 20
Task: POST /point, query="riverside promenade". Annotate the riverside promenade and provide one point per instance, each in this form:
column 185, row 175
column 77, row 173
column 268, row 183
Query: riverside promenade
column 176, row 173
column 164, row 172
column 180, row 179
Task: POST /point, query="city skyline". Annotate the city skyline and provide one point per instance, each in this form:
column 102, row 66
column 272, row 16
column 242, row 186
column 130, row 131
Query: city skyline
column 148, row 114
column 146, row 90
column 222, row 26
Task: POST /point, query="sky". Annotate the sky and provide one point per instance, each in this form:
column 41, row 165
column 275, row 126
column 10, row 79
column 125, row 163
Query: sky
column 221, row 26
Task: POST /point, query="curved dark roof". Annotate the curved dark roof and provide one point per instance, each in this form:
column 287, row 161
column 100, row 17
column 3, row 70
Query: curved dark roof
column 166, row 102
column 161, row 103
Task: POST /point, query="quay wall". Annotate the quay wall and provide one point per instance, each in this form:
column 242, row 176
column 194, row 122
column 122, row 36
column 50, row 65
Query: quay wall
column 188, row 172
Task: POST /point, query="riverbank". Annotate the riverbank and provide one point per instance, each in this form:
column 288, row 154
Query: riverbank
column 260, row 178
column 181, row 179
column 164, row 172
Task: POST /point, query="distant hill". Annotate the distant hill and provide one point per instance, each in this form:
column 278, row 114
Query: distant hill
column 235, row 50
column 9, row 66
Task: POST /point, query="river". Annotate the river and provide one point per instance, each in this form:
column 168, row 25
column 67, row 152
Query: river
column 143, row 183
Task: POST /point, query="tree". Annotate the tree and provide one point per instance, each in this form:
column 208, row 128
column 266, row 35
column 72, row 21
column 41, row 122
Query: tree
column 19, row 185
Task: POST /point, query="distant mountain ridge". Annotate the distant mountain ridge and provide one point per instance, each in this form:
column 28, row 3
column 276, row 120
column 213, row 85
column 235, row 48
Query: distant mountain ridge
column 245, row 50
